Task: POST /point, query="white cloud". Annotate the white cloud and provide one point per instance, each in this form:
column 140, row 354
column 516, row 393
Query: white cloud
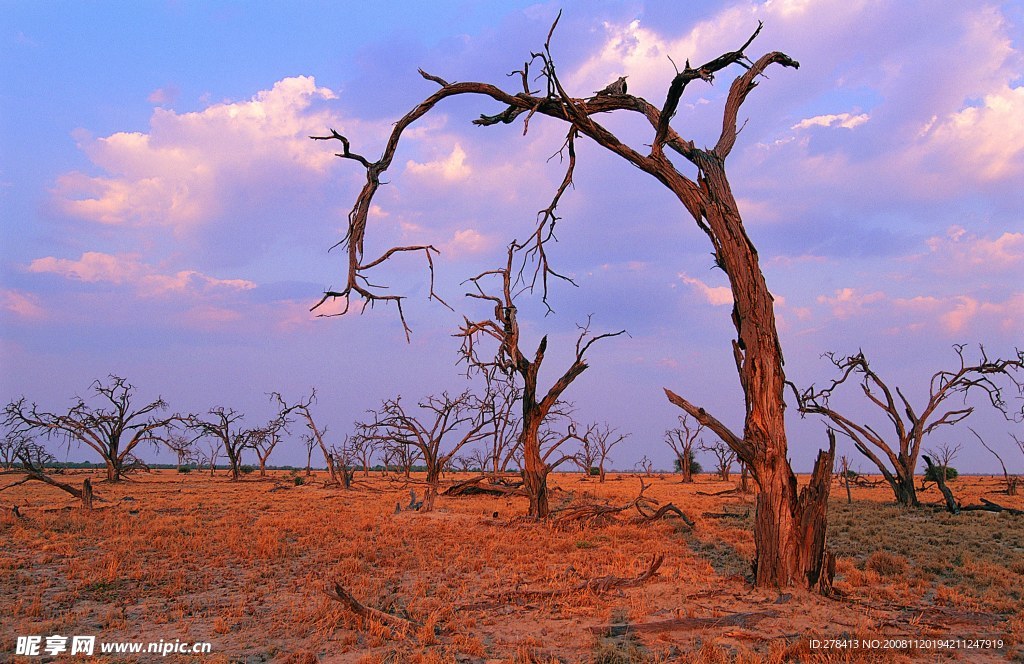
column 715, row 295
column 127, row 269
column 986, row 140
column 450, row 169
column 181, row 172
column 962, row 252
column 844, row 120
column 847, row 302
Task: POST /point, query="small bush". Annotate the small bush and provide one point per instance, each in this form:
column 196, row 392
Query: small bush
column 886, row 564
column 245, row 470
column 594, row 471
column 932, row 473
column 299, row 481
column 849, row 474
column 184, row 470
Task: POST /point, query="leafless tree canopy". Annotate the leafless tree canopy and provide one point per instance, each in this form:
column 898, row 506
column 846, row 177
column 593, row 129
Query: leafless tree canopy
column 438, row 429
column 682, row 440
column 789, row 530
column 223, row 425
column 896, row 454
column 114, row 429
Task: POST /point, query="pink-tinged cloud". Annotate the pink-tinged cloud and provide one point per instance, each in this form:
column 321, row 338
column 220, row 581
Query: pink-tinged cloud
column 962, row 252
column 847, row 302
column 93, row 266
column 714, row 295
column 451, row 168
column 127, row 269
column 22, row 305
column 986, row 141
column 163, row 96
column 844, row 120
column 179, row 173
column 467, row 241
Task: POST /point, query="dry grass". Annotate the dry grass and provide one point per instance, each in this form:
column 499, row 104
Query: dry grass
column 243, row 565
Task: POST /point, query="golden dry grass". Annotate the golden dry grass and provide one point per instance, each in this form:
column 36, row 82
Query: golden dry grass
column 243, row 565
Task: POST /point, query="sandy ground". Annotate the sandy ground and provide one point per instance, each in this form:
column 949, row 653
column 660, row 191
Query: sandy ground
column 244, row 565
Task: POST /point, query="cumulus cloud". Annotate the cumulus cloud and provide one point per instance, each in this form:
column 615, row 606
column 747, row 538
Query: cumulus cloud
column 449, row 169
column 844, row 120
column 965, row 252
column 179, row 173
column 128, row 269
column 714, row 295
column 984, row 140
column 847, row 302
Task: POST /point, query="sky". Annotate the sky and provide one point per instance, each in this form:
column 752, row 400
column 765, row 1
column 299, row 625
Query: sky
column 165, row 217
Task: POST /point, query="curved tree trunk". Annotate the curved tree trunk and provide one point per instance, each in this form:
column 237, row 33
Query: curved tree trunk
column 535, row 471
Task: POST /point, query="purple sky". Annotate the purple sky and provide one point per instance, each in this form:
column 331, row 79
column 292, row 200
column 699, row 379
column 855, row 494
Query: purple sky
column 165, row 217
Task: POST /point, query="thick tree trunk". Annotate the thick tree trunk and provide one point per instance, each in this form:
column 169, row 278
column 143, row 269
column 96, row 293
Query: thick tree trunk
column 535, row 471
column 903, row 488
column 263, row 467
column 686, row 467
column 87, row 493
column 113, row 472
column 789, row 527
column 433, row 476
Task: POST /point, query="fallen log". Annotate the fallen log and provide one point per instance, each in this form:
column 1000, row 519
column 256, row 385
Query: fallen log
column 338, row 593
column 598, row 585
column 84, row 494
column 475, row 487
column 989, row 506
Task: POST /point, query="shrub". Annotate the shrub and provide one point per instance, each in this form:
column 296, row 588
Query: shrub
column 594, row 471
column 932, row 473
column 886, row 564
column 299, row 481
column 245, row 470
column 695, row 467
column 849, row 474
column 184, row 470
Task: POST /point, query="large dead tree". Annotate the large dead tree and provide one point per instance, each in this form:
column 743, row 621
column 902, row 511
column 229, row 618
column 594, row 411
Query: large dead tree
column 509, row 359
column 682, row 440
column 113, row 429
column 790, row 525
column 896, row 454
column 445, row 425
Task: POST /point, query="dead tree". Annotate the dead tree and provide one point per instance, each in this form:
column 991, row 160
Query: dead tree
column 32, row 460
column 783, row 527
column 944, row 455
column 309, row 442
column 222, row 427
column 605, row 438
column 586, row 458
column 363, row 449
column 444, row 426
column 897, row 454
column 12, row 444
column 724, row 457
column 208, row 456
column 113, row 430
column 303, row 408
column 342, row 460
column 682, row 439
column 1011, row 480
column 504, row 429
column 510, row 360
column 263, row 440
column 182, row 446
column 844, row 467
